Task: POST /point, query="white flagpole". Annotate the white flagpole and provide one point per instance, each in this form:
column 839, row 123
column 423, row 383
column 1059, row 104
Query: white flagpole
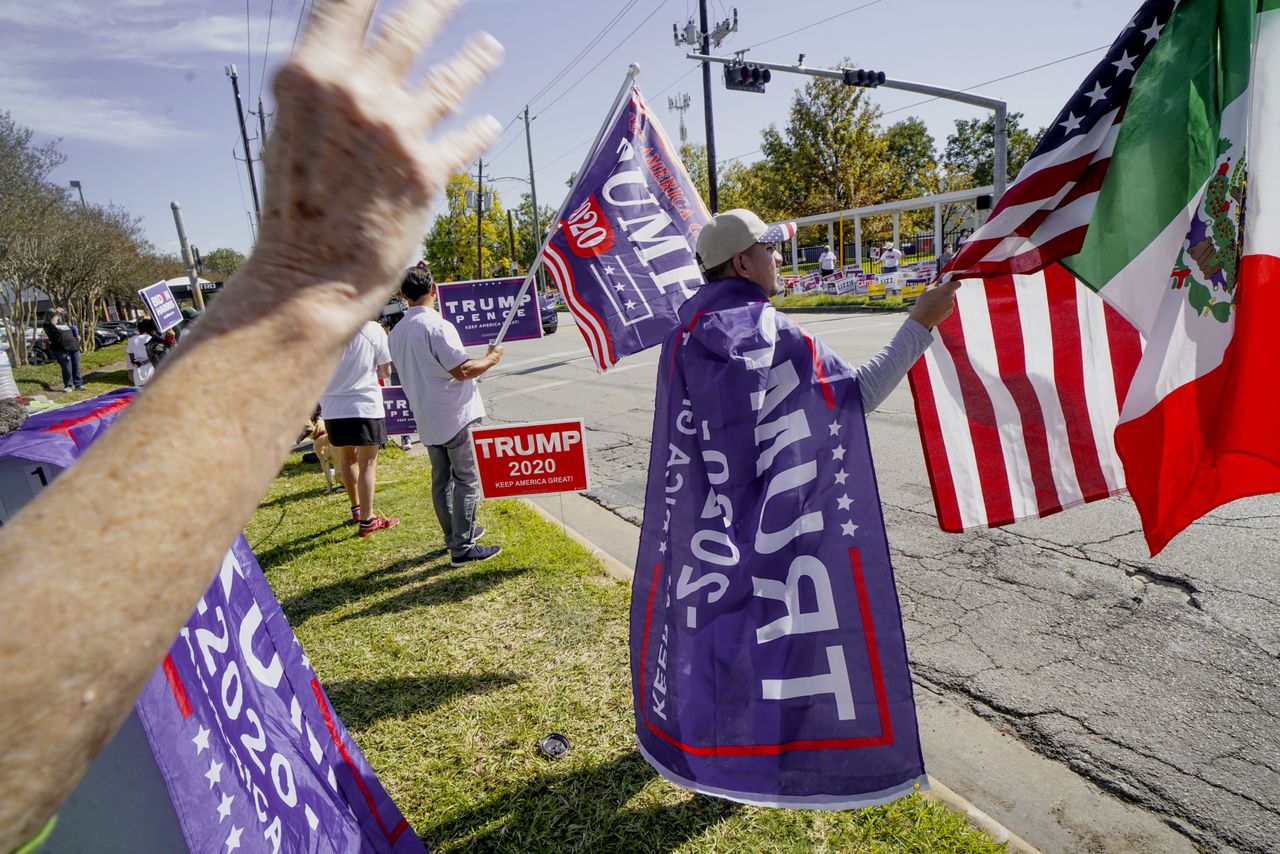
column 632, row 71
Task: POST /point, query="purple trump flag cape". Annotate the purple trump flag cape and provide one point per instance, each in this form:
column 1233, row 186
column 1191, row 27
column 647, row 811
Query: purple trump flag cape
column 622, row 253
column 768, row 660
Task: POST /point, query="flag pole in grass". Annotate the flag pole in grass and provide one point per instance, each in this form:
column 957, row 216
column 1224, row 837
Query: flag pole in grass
column 1139, row 190
column 632, row 72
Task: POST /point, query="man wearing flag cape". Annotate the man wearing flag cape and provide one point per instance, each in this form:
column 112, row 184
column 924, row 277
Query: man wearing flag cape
column 768, row 661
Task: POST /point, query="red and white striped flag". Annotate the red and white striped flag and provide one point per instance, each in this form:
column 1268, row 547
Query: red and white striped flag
column 1018, row 399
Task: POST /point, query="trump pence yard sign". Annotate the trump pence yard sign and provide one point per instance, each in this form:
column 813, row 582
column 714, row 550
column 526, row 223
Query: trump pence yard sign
column 531, row 459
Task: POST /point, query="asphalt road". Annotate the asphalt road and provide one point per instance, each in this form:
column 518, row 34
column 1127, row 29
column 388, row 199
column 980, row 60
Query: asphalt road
column 1159, row 680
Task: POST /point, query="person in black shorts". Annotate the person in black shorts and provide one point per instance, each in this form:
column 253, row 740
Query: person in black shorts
column 357, row 423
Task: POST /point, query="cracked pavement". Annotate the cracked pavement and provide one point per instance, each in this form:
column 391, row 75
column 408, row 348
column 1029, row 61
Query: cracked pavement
column 1158, row 680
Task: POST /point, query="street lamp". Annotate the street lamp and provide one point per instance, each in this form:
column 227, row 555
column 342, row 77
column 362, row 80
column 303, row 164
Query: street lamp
column 75, row 185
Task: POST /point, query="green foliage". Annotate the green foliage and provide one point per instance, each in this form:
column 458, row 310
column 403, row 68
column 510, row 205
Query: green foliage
column 529, row 240
column 450, row 246
column 970, row 152
column 223, row 261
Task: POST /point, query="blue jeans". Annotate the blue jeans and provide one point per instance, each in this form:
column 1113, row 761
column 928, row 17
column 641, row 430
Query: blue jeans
column 70, row 364
column 455, row 489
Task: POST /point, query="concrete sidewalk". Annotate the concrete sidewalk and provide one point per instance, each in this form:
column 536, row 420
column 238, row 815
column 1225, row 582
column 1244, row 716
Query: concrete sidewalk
column 1009, row 791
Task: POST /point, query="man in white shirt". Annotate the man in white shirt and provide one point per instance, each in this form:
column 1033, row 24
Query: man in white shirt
column 140, row 367
column 827, row 263
column 890, row 257
column 439, row 378
column 357, row 423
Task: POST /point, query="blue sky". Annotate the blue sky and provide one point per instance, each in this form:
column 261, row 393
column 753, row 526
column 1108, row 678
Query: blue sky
column 136, row 89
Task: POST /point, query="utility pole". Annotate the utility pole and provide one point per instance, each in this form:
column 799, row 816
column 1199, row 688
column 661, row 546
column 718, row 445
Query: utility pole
column 480, row 218
column 533, row 195
column 511, row 237
column 680, row 103
column 244, row 138
column 701, row 36
column 187, row 261
column 75, row 185
column 262, row 143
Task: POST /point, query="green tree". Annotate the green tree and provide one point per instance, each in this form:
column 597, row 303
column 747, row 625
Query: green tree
column 910, row 147
column 694, row 157
column 450, row 245
column 222, row 261
column 529, row 241
column 970, row 153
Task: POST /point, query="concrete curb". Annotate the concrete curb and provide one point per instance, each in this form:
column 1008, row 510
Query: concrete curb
column 937, row 791
column 612, row 566
column 841, row 309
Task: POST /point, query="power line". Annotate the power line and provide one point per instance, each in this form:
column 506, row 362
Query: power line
column 266, row 48
column 607, row 56
column 816, row 23
column 1005, row 77
column 298, row 27
column 585, row 50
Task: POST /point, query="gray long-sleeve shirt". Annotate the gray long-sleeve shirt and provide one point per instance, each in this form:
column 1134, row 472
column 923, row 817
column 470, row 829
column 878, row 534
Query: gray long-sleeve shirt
column 880, row 374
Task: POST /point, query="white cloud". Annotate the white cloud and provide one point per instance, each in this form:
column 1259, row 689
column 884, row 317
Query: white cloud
column 122, row 122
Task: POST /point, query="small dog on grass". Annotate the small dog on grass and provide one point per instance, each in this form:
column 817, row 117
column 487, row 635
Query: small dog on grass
column 330, row 458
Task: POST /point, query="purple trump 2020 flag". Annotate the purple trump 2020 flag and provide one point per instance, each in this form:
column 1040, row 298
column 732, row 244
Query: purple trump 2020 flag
column 622, row 254
column 252, row 753
column 768, row 660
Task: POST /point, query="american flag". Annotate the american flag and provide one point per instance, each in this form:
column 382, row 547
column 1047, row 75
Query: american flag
column 1043, row 217
column 1019, row 397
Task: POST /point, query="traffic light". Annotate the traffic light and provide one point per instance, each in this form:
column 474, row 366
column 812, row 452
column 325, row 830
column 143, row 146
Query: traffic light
column 746, row 77
column 863, row 77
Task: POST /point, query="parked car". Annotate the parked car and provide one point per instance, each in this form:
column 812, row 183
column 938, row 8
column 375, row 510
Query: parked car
column 547, row 312
column 105, row 336
column 126, row 329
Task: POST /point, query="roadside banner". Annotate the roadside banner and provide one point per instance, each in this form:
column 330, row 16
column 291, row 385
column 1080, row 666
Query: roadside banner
column 768, row 658
column 163, row 307
column 876, row 286
column 395, row 403
column 622, row 253
column 912, row 288
column 251, row 752
column 478, row 308
column 531, row 459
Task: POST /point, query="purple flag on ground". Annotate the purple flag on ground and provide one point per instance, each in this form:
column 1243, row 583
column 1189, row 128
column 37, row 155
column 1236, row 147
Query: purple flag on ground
column 478, row 309
column 622, row 254
column 768, row 659
column 253, row 754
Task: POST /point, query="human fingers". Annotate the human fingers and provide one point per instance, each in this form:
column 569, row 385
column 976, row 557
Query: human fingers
column 408, row 32
column 456, row 149
column 337, row 27
column 449, row 84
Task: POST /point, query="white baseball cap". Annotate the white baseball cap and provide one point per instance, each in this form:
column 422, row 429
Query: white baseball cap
column 731, row 232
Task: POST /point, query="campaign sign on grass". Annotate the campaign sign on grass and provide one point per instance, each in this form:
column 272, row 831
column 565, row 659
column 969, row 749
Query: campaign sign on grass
column 531, row 459
column 163, row 307
column 478, row 309
column 395, row 403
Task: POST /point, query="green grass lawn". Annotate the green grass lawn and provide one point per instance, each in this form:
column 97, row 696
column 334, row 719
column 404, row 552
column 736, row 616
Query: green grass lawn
column 47, row 379
column 821, row 299
column 447, row 678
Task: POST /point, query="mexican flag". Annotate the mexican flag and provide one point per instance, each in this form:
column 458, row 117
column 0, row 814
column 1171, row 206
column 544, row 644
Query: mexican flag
column 1185, row 243
column 1158, row 190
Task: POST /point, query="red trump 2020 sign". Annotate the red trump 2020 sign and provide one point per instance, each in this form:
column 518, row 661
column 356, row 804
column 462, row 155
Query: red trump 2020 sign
column 531, row 459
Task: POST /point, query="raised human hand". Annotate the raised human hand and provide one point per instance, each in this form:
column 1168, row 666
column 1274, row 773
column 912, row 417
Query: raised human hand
column 350, row 170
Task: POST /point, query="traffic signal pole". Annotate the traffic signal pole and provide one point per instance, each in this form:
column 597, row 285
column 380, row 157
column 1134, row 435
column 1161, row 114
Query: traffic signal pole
column 1001, row 108
column 713, row 184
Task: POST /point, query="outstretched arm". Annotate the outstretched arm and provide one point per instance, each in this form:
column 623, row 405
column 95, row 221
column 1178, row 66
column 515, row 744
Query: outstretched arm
column 351, row 176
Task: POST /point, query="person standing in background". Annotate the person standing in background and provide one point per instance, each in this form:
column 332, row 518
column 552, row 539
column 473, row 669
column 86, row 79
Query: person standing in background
column 64, row 344
column 136, row 356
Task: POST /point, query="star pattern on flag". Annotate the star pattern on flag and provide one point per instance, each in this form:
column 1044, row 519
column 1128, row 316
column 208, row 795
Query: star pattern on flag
column 306, row 662
column 837, row 453
column 841, row 477
column 835, row 428
column 662, row 548
column 608, row 270
column 224, row 808
column 1072, row 124
column 630, row 305
column 201, row 741
column 844, row 501
column 1124, row 63
column 1152, row 32
column 1099, row 93
column 214, row 774
column 233, row 838
column 619, row 287
column 848, row 527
